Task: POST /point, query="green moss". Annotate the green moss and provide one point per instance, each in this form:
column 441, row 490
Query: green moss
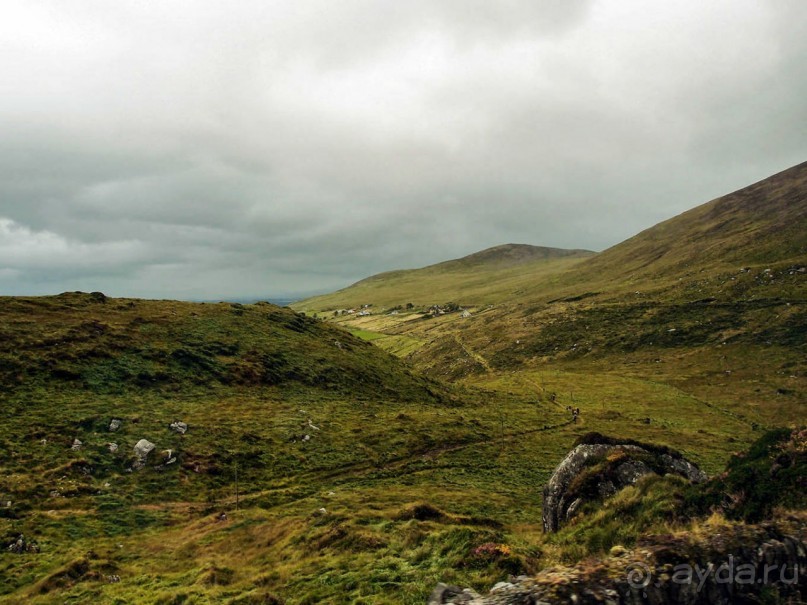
column 773, row 472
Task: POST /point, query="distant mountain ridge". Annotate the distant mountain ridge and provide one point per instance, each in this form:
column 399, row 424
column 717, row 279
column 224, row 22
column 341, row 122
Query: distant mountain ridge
column 503, row 255
column 761, row 224
column 513, row 254
column 467, row 279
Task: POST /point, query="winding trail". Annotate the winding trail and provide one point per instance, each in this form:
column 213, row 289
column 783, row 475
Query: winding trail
column 473, row 354
column 357, row 471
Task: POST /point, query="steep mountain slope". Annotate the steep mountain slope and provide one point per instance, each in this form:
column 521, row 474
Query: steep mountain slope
column 508, row 255
column 725, row 283
column 483, row 277
column 762, row 224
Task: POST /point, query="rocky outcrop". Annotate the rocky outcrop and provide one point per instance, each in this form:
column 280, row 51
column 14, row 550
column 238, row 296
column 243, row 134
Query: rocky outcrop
column 734, row 564
column 598, row 467
column 443, row 593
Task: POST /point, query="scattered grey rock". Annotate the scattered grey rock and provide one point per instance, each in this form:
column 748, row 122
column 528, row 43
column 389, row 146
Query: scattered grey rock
column 22, row 546
column 115, row 424
column 77, row 444
column 178, row 427
column 306, row 438
column 572, row 510
column 685, row 468
column 168, row 457
column 112, row 447
column 630, row 472
column 607, row 581
column 444, row 593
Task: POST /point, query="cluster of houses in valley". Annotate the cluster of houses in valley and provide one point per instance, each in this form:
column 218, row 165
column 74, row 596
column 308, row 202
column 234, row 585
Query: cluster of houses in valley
column 432, row 311
column 365, row 310
column 451, row 307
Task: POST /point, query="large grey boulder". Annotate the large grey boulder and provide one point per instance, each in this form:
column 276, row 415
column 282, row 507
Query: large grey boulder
column 598, row 467
column 141, row 450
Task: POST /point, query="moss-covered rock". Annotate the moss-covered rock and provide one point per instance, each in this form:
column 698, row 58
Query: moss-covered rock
column 599, row 466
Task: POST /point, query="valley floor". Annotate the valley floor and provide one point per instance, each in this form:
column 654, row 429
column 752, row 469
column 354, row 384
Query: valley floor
column 332, row 519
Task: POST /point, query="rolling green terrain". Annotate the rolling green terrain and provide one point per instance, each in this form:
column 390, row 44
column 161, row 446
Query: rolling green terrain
column 287, row 416
column 362, row 459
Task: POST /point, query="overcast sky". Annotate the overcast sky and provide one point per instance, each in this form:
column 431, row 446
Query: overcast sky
column 204, row 149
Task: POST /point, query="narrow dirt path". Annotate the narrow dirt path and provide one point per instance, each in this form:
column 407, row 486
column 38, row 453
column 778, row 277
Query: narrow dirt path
column 359, row 470
column 473, row 354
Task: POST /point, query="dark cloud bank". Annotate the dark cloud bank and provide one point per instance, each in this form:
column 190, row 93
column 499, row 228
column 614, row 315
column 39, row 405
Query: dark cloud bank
column 217, row 149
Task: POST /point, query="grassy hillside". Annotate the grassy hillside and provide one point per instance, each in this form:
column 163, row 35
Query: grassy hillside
column 115, row 346
column 703, row 252
column 484, row 277
column 344, row 476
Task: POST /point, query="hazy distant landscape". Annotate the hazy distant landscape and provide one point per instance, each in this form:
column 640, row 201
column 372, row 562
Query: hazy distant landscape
column 419, row 303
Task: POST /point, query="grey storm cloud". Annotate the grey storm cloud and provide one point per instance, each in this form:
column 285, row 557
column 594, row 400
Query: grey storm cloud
column 210, row 149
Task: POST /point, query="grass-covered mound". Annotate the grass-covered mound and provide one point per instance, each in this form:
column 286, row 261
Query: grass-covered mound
column 771, row 474
column 88, row 341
